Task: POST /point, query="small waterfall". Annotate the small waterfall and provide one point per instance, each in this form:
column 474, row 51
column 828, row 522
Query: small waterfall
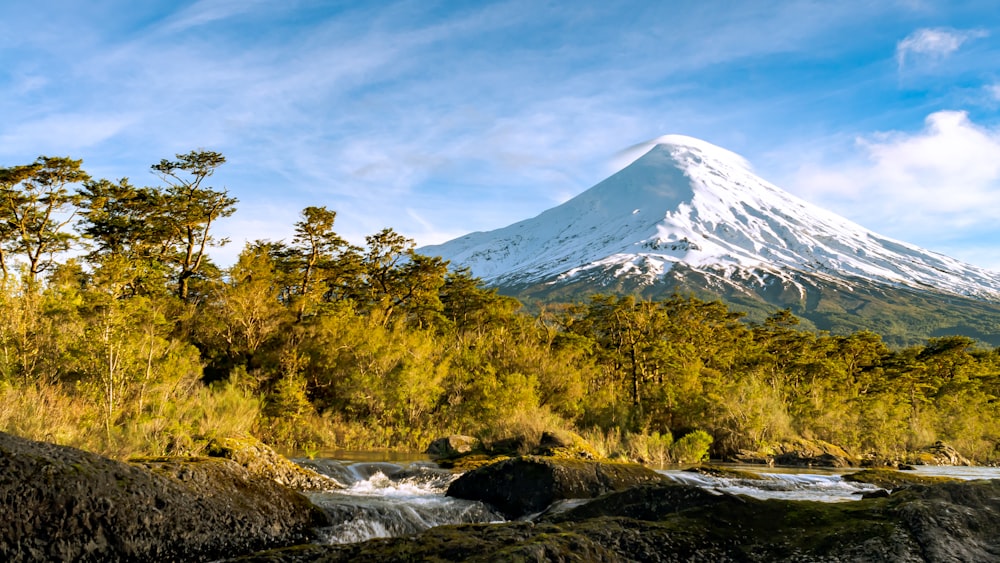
column 788, row 486
column 386, row 500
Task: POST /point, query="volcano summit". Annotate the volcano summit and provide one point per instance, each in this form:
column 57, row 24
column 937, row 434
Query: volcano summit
column 692, row 217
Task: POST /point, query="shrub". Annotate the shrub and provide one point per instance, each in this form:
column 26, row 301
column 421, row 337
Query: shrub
column 692, row 447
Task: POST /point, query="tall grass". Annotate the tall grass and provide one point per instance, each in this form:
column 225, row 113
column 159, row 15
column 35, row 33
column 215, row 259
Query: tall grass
column 175, row 420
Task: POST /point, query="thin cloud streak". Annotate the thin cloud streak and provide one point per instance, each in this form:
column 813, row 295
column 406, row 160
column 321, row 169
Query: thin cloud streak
column 934, row 44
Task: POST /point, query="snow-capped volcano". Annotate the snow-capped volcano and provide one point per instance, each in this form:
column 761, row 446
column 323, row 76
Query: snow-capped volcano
column 689, row 202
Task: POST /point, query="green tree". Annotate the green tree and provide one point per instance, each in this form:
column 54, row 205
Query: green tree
column 394, row 278
column 245, row 313
column 36, row 205
column 188, row 211
column 321, row 259
column 125, row 227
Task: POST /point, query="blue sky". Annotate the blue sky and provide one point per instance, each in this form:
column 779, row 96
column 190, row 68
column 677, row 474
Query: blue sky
column 441, row 118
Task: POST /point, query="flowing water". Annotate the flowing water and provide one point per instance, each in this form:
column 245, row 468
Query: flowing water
column 828, row 487
column 810, row 484
column 384, row 499
column 403, row 497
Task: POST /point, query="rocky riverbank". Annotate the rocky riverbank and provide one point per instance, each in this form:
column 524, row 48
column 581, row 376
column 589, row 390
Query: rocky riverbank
column 62, row 504
column 660, row 522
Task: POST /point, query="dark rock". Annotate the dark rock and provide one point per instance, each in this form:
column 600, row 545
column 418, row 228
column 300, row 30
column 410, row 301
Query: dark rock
column 470, row 461
column 645, row 502
column 63, row 504
column 451, row 446
column 752, row 457
column 799, row 459
column 526, row 485
column 512, row 446
column 565, row 445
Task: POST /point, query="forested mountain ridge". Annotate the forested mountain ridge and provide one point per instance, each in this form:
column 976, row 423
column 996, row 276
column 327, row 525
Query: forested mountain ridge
column 691, row 217
column 140, row 344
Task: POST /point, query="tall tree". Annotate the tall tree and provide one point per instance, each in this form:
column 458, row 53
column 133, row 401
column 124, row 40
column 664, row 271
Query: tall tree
column 36, row 206
column 395, row 278
column 190, row 209
column 118, row 217
column 125, row 228
column 316, row 248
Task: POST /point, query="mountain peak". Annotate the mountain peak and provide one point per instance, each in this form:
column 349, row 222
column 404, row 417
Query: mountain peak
column 682, row 145
column 688, row 202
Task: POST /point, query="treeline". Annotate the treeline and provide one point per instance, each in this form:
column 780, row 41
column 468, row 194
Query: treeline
column 142, row 344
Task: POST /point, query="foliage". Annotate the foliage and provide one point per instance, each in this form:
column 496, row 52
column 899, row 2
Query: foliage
column 691, row 448
column 142, row 345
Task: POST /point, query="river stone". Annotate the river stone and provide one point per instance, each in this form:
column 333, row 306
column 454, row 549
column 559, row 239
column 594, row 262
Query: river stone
column 526, row 485
column 264, row 463
column 941, row 454
column 60, row 504
column 564, row 444
column 451, row 446
column 800, row 453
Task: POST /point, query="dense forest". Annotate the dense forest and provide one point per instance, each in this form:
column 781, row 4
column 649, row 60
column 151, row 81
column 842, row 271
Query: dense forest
column 121, row 336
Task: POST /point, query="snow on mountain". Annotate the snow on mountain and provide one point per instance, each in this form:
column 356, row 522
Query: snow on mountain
column 688, row 201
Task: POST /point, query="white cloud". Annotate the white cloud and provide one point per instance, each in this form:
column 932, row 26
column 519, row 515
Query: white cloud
column 933, row 44
column 938, row 187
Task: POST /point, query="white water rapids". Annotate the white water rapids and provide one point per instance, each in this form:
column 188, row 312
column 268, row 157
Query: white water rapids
column 384, row 499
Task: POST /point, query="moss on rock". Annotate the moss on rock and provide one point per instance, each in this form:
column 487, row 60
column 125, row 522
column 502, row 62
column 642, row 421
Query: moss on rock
column 892, row 479
column 726, row 472
column 264, row 463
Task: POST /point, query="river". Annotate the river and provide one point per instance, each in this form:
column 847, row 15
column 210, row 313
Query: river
column 407, row 495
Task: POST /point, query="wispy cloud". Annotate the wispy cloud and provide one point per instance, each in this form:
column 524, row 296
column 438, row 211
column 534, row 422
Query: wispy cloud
column 204, row 12
column 933, row 44
column 993, row 92
column 60, row 134
column 442, row 118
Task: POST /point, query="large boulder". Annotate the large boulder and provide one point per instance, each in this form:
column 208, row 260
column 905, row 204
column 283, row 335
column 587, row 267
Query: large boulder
column 526, row 485
column 62, row 504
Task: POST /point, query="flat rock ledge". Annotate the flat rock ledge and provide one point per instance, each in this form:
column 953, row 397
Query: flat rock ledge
column 63, row 504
